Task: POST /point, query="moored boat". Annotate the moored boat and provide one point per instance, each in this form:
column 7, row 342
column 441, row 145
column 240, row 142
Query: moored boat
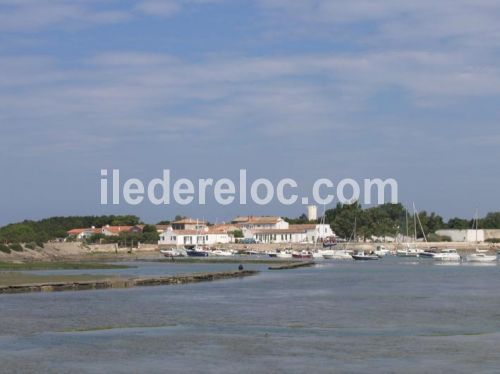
column 302, row 255
column 362, row 256
column 284, row 254
column 447, row 254
column 340, row 254
column 197, row 252
column 480, row 257
column 381, row 251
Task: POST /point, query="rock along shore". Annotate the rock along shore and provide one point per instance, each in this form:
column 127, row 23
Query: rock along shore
column 123, row 282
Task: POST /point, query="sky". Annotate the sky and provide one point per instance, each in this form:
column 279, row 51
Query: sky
column 399, row 89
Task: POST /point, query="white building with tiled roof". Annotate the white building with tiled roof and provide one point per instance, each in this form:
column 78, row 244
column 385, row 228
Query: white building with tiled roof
column 207, row 236
column 306, row 233
column 260, row 223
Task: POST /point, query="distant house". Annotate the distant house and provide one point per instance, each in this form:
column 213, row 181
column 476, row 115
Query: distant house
column 162, row 228
column 189, row 224
column 82, row 234
column 306, row 233
column 206, row 236
column 260, row 223
column 272, row 229
column 116, row 230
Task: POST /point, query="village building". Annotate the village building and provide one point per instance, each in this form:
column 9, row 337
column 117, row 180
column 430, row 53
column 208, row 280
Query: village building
column 260, row 223
column 305, row 233
column 117, row 230
column 205, row 237
column 189, row 224
column 82, row 234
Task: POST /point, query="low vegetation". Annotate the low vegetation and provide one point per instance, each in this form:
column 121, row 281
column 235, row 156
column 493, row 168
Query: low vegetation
column 7, row 266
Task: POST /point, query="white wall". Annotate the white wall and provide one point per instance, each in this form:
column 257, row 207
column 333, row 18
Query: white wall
column 468, row 236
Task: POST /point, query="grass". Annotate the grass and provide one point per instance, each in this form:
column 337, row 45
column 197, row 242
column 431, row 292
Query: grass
column 15, row 278
column 10, row 266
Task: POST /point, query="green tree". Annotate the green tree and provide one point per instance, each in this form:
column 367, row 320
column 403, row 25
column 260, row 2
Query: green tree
column 458, row 223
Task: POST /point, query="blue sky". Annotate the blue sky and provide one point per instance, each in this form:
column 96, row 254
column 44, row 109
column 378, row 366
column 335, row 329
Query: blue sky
column 285, row 88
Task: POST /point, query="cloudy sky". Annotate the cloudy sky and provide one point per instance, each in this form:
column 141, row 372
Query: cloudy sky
column 284, row 88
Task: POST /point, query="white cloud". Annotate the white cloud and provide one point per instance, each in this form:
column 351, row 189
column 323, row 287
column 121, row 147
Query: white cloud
column 403, row 22
column 108, row 95
column 29, row 15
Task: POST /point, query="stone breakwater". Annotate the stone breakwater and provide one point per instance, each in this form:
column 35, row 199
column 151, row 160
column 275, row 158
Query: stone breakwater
column 123, row 282
column 292, row 265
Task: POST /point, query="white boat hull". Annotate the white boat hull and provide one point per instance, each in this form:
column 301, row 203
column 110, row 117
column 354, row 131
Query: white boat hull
column 337, row 255
column 476, row 257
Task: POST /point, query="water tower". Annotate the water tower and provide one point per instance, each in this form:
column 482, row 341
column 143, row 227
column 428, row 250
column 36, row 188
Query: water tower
column 312, row 213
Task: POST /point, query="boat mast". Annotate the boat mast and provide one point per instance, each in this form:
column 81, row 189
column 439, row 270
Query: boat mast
column 421, row 227
column 415, row 222
column 477, row 223
column 407, row 230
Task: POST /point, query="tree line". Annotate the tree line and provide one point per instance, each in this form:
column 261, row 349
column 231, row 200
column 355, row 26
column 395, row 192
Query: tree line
column 394, row 219
column 382, row 220
column 56, row 227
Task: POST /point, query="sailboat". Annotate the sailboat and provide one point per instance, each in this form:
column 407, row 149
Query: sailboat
column 361, row 255
column 410, row 251
column 339, row 254
column 480, row 255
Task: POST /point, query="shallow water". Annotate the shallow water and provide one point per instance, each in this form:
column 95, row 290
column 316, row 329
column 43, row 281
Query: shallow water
column 393, row 315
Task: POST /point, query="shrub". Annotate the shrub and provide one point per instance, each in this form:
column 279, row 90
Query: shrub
column 30, row 245
column 16, row 247
column 4, row 248
column 438, row 238
column 493, row 240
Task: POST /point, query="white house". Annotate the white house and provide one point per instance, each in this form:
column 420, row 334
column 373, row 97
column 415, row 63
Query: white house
column 189, row 224
column 82, row 234
column 260, row 223
column 180, row 238
column 307, row 233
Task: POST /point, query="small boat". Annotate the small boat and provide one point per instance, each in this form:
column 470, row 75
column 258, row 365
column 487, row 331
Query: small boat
column 318, row 255
column 408, row 252
column 272, row 254
column 173, row 253
column 340, row 254
column 428, row 253
column 381, row 251
column 362, row 256
column 302, row 255
column 480, row 256
column 284, row 254
column 447, row 254
column 221, row 253
column 197, row 252
column 252, row 253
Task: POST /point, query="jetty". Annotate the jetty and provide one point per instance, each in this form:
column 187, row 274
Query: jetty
column 292, row 265
column 123, row 282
